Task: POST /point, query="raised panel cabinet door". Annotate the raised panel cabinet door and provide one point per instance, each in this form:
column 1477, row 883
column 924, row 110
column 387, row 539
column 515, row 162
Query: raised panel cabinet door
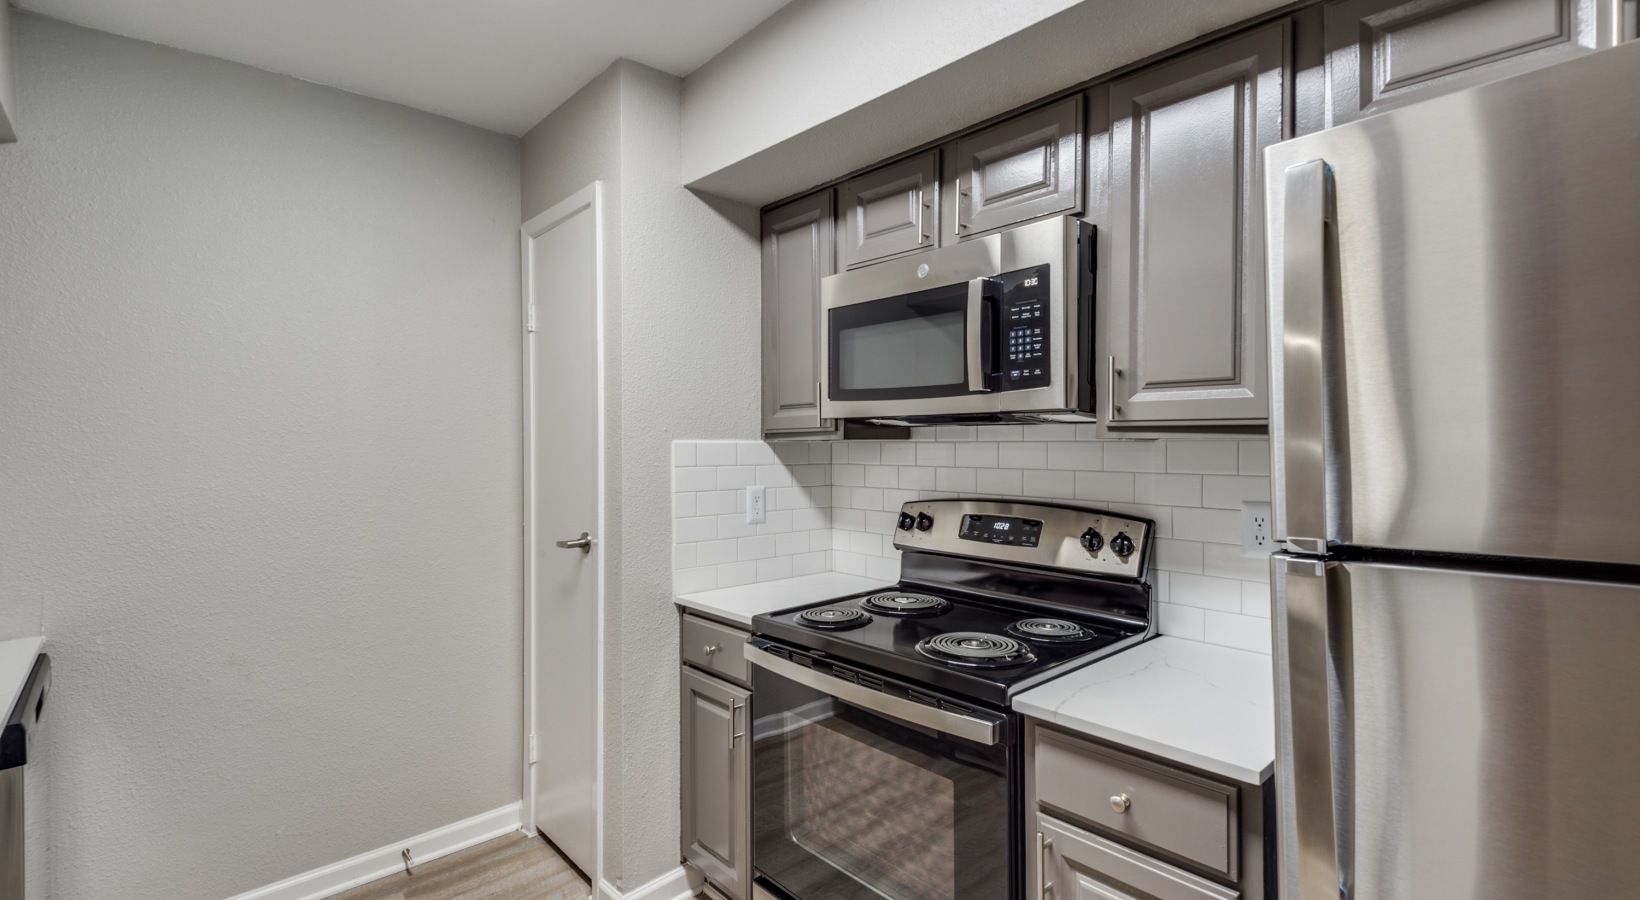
column 890, row 211
column 717, row 836
column 797, row 253
column 1382, row 53
column 1185, row 322
column 1024, row 168
column 1080, row 865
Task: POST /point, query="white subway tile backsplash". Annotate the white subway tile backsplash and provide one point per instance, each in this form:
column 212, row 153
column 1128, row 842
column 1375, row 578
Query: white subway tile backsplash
column 1136, row 456
column 1168, row 490
column 1255, row 457
column 978, row 454
column 1002, row 482
column 1236, row 630
column 1023, row 455
column 1047, row 484
column 1086, row 455
column 955, row 480
column 1108, row 487
column 1204, row 457
column 716, row 453
column 1221, row 526
column 833, row 507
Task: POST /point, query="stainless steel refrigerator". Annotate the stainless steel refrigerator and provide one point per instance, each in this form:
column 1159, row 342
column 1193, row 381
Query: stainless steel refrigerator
column 1455, row 299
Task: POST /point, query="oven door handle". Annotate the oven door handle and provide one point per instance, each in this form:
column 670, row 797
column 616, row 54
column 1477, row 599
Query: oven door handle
column 969, row 728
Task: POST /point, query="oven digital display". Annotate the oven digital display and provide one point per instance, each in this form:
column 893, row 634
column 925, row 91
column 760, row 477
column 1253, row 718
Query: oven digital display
column 1001, row 530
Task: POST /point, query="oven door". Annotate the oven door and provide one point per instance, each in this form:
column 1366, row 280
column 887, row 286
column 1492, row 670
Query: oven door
column 860, row 793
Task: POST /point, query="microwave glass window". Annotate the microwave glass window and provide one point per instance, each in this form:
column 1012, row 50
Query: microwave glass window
column 918, row 351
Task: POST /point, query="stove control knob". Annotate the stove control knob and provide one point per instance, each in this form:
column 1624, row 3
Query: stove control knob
column 906, row 521
column 924, row 521
column 1092, row 541
column 1122, row 546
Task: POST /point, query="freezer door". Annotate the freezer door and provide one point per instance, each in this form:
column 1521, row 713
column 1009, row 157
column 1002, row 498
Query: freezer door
column 1455, row 298
column 1453, row 735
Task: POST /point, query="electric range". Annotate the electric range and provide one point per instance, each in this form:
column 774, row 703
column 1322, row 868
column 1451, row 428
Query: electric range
column 886, row 762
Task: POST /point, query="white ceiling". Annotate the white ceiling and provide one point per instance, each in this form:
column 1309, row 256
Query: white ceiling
column 499, row 64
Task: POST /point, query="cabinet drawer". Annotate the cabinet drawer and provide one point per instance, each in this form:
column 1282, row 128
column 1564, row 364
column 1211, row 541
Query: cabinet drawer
column 716, row 648
column 1083, row 866
column 1168, row 809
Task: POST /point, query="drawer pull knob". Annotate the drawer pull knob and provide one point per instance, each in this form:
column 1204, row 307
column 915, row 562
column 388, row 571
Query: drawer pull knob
column 1120, row 803
column 712, row 648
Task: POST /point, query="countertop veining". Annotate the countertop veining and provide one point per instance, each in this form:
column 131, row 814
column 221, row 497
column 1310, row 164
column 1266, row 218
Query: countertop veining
column 740, row 603
column 1200, row 705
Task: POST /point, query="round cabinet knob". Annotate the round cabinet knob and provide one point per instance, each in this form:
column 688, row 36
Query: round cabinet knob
column 906, row 521
column 1122, row 546
column 1120, row 803
column 924, row 521
column 710, row 649
column 1092, row 541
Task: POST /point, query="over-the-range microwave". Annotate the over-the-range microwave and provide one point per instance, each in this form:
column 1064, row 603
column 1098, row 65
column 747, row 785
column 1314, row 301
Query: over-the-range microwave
column 993, row 329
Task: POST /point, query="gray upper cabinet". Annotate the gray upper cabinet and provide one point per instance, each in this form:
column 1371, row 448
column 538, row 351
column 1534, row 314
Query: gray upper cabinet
column 797, row 253
column 890, row 211
column 1183, row 330
column 1024, row 168
column 1382, row 53
column 717, row 835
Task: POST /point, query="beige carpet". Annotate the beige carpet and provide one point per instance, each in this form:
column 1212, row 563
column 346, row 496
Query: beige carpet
column 514, row 867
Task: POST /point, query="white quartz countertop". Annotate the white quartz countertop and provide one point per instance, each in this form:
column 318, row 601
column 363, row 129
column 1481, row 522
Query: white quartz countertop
column 1201, row 705
column 16, row 661
column 740, row 603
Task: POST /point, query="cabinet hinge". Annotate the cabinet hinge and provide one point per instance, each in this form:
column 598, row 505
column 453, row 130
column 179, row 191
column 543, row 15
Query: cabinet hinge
column 532, row 734
column 529, row 325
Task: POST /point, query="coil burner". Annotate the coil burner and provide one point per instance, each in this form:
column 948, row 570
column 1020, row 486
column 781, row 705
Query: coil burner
column 835, row 618
column 897, row 604
column 972, row 648
column 1055, row 631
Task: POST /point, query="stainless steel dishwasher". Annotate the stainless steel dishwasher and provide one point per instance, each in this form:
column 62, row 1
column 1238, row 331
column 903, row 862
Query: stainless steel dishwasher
column 20, row 856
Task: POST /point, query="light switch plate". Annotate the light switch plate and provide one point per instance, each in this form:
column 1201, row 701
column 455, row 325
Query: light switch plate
column 756, row 511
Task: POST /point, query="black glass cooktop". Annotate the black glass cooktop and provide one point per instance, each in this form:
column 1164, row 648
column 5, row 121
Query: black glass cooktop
column 970, row 647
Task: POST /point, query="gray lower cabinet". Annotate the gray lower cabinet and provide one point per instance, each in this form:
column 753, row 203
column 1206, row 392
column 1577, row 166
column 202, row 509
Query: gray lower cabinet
column 1027, row 167
column 1183, row 338
column 1383, row 53
column 1083, row 866
column 1113, row 824
column 717, row 837
column 798, row 251
column 890, row 211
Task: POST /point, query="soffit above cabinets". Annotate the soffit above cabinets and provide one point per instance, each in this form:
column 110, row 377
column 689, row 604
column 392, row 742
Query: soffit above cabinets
column 498, row 64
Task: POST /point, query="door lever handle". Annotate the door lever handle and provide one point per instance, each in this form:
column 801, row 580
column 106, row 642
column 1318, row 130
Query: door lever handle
column 582, row 543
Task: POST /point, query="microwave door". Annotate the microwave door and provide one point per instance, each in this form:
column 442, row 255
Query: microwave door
column 930, row 344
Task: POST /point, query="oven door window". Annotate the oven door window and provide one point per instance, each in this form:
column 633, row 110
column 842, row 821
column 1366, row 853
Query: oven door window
column 901, row 348
column 850, row 805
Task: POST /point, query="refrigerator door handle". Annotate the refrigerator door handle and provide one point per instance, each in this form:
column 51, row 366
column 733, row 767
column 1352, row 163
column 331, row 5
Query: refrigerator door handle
column 1310, row 703
column 1307, row 230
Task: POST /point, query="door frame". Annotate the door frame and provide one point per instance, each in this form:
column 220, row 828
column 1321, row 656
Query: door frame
column 589, row 197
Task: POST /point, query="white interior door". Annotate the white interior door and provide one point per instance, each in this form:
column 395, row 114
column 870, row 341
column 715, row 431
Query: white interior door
column 562, row 297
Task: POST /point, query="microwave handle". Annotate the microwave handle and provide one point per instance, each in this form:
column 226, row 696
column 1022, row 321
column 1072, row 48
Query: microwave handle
column 979, row 348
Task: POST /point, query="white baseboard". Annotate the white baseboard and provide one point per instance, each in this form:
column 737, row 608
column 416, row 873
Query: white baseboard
column 337, row 877
column 673, row 885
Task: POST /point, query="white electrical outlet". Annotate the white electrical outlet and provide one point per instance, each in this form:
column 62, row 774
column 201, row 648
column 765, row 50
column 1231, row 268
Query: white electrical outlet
column 756, row 512
column 1255, row 529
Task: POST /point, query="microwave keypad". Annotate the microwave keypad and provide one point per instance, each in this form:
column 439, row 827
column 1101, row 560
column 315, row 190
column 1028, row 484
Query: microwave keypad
column 1025, row 359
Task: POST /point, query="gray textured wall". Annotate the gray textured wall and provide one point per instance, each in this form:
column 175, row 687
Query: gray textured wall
column 259, row 377
column 682, row 361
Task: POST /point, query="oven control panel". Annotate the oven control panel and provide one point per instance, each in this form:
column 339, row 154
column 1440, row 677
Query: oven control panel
column 1073, row 538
